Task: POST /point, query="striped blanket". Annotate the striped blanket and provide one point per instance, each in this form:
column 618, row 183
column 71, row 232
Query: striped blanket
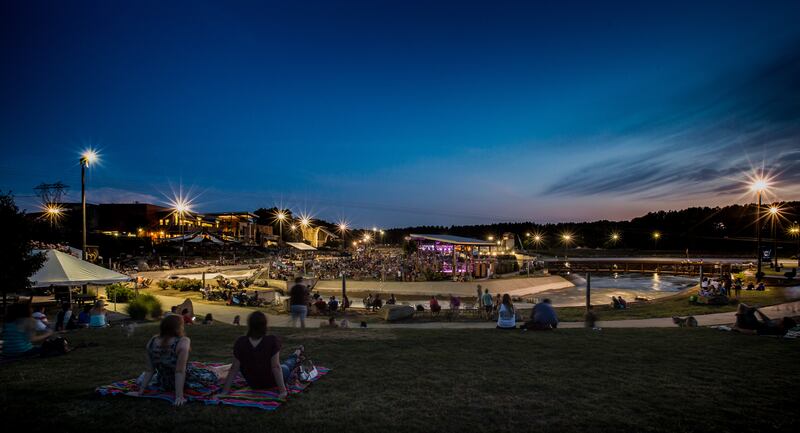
column 241, row 395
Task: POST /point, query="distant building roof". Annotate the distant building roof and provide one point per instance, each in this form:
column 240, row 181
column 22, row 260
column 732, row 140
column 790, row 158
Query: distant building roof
column 301, row 246
column 454, row 240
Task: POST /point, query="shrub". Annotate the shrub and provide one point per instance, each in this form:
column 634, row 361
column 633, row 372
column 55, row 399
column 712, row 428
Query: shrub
column 164, row 284
column 119, row 292
column 185, row 285
column 144, row 305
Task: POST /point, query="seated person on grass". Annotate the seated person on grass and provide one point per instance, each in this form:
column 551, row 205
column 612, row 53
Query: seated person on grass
column 377, row 303
column 187, row 318
column 435, row 307
column 83, row 316
column 167, row 362
column 543, row 317
column 40, row 318
column 748, row 323
column 97, row 315
column 321, row 306
column 257, row 357
column 331, row 323
column 506, row 316
column 19, row 332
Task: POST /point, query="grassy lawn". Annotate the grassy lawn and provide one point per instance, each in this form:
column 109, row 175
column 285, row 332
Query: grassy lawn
column 675, row 305
column 442, row 380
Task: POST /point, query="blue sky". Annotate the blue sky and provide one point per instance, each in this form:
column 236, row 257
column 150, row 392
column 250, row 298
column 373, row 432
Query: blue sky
column 403, row 113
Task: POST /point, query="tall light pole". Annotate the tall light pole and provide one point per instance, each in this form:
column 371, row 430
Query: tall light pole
column 280, row 216
column 656, row 237
column 89, row 156
column 773, row 213
column 343, row 231
column 759, row 186
column 795, row 230
column 566, row 238
column 181, row 207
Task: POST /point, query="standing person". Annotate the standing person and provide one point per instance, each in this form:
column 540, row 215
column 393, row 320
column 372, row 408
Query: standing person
column 19, row 332
column 488, row 306
column 737, row 288
column 168, row 362
column 298, row 300
column 257, row 357
column 506, row 316
column 479, row 299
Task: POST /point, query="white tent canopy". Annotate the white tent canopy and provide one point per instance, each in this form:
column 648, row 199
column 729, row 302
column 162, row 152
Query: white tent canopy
column 301, row 246
column 62, row 269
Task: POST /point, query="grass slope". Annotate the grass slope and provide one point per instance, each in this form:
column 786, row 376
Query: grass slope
column 442, row 380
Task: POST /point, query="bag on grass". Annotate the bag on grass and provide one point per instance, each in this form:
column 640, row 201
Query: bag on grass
column 55, row 346
column 308, row 372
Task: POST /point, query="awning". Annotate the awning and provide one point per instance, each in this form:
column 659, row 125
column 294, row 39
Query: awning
column 301, row 246
column 452, row 240
column 62, row 269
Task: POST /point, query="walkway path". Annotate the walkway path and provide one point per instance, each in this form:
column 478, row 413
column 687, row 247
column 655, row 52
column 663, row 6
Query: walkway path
column 225, row 314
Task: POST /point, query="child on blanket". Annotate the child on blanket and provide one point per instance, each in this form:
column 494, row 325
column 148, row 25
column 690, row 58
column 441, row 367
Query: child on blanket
column 257, row 357
column 167, row 362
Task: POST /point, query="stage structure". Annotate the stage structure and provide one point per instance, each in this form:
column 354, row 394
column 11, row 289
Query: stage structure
column 459, row 256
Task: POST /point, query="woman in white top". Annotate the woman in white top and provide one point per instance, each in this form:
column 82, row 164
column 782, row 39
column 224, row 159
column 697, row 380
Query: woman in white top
column 506, row 317
column 40, row 319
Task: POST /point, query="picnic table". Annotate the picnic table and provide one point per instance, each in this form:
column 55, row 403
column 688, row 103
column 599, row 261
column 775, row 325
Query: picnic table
column 79, row 299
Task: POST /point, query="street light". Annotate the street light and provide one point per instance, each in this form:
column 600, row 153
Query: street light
column 343, row 227
column 53, row 212
column 758, row 186
column 280, row 217
column 795, row 231
column 656, row 237
column 566, row 239
column 774, row 212
column 89, row 156
column 181, row 206
column 615, row 237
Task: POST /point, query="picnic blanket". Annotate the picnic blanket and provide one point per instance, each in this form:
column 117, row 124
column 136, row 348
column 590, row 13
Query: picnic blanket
column 241, row 395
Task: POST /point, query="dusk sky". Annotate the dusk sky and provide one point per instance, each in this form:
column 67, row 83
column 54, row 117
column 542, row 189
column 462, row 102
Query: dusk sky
column 403, row 113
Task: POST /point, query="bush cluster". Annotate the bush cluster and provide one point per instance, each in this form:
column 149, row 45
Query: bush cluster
column 119, row 292
column 144, row 305
column 183, row 284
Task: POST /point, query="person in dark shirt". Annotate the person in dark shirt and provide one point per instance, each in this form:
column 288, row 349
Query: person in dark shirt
column 257, row 358
column 543, row 317
column 750, row 320
column 298, row 300
column 333, row 304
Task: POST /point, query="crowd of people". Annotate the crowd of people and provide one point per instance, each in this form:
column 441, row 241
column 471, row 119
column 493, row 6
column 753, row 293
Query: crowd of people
column 377, row 264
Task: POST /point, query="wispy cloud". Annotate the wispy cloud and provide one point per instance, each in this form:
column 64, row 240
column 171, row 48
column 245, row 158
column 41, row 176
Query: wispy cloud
column 755, row 123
